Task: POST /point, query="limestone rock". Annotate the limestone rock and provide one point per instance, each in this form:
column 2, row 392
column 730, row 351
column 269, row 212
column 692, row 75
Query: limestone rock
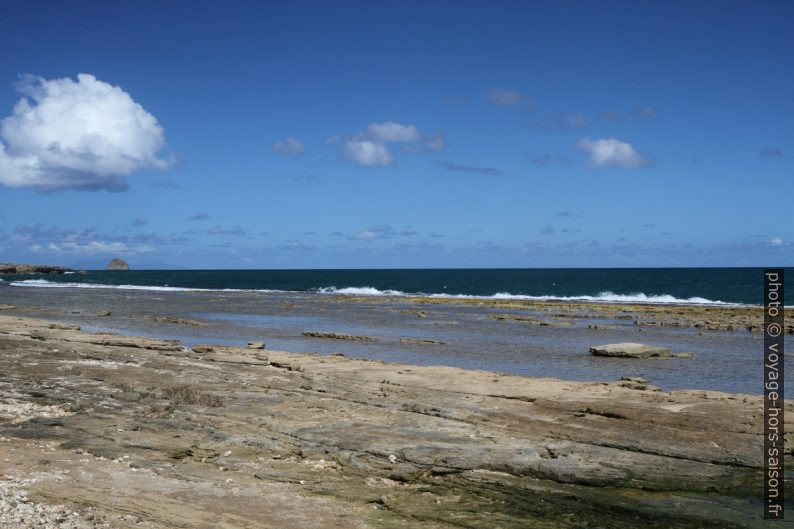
column 179, row 321
column 638, row 380
column 422, row 341
column 436, row 446
column 630, row 350
column 337, row 336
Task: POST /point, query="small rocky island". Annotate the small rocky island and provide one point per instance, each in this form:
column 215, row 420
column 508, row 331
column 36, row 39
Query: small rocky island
column 118, row 264
column 15, row 268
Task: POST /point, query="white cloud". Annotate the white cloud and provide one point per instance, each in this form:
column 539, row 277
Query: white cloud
column 391, row 131
column 83, row 134
column 504, row 98
column 91, row 248
column 369, row 147
column 379, row 231
column 611, row 151
column 289, row 146
column 776, row 241
column 368, row 152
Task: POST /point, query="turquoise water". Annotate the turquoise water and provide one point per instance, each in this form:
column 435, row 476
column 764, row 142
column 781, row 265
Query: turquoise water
column 659, row 285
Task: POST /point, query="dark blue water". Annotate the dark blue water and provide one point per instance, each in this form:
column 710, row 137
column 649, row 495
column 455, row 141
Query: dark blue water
column 660, row 285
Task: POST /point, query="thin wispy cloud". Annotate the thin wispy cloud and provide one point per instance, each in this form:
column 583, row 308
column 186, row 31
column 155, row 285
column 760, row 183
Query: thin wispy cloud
column 165, row 184
column 236, row 231
column 505, row 98
column 612, row 116
column 379, row 231
column 82, row 134
column 289, row 146
column 469, row 169
column 306, row 178
column 199, row 216
column 543, row 160
column 58, row 241
column 612, row 152
column 564, row 121
column 89, row 248
column 434, row 142
column 771, row 152
column 646, row 112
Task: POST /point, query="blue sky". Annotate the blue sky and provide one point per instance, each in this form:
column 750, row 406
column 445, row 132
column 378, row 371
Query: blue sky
column 411, row 134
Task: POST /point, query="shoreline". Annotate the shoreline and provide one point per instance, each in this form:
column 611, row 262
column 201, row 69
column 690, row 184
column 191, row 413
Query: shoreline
column 520, row 337
column 696, row 286
column 709, row 317
column 196, row 434
column 743, row 315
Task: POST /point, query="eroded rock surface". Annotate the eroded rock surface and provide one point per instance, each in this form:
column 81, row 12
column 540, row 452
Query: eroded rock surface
column 630, row 350
column 138, row 433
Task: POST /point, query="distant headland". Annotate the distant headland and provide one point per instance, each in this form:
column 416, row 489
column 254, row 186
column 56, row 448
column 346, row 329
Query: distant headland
column 15, row 268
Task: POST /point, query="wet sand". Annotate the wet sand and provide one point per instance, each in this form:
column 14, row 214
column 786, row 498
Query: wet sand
column 136, row 432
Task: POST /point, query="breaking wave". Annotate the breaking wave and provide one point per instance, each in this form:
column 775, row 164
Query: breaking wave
column 602, row 297
column 43, row 283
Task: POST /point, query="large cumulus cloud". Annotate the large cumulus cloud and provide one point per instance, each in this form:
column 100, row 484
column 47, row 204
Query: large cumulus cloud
column 77, row 134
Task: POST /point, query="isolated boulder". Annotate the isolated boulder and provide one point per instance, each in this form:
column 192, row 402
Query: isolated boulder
column 118, row 264
column 630, row 350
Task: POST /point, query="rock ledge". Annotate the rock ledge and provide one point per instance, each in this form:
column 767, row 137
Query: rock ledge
column 630, row 350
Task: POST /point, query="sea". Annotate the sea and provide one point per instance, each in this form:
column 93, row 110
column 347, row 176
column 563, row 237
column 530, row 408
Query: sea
column 736, row 286
column 277, row 307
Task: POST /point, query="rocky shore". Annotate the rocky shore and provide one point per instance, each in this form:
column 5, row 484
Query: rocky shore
column 15, row 268
column 104, row 430
column 704, row 317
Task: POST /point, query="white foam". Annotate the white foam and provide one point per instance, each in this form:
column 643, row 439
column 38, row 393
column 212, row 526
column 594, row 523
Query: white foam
column 43, row 283
column 361, row 291
column 602, row 297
